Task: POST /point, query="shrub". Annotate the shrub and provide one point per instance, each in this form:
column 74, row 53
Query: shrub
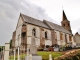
column 47, row 46
column 55, row 45
column 73, row 56
column 40, row 49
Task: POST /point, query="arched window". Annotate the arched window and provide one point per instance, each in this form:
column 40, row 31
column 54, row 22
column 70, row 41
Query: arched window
column 23, row 28
column 23, row 25
column 63, row 24
column 61, row 36
column 34, row 32
column 45, row 34
column 70, row 38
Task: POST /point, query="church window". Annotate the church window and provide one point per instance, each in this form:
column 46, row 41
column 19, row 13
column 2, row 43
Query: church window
column 34, row 32
column 63, row 24
column 61, row 36
column 70, row 38
column 23, row 25
column 23, row 28
column 45, row 34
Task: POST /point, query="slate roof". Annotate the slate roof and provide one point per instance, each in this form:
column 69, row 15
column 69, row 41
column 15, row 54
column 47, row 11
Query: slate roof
column 34, row 21
column 44, row 23
column 57, row 27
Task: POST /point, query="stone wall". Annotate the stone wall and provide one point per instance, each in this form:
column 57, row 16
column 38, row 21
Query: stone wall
column 54, row 37
column 40, row 35
column 18, row 32
column 59, row 41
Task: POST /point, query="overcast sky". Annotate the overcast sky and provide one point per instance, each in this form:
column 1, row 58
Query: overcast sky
column 50, row 10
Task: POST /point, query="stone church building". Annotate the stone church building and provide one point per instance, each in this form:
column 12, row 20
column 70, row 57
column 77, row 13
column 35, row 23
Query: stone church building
column 45, row 32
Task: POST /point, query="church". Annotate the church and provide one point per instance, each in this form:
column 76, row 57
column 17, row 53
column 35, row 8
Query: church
column 45, row 32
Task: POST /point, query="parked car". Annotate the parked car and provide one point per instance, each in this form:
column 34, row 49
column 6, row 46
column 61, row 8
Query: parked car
column 50, row 49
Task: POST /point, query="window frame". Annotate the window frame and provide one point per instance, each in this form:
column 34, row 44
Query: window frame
column 33, row 32
column 46, row 34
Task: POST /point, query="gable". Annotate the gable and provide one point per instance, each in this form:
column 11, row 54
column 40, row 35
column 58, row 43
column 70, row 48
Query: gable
column 20, row 22
column 34, row 21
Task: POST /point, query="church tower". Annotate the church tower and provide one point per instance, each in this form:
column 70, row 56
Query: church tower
column 65, row 22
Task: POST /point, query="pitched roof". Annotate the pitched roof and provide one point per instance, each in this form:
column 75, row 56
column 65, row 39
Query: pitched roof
column 44, row 23
column 34, row 21
column 76, row 33
column 57, row 27
column 64, row 16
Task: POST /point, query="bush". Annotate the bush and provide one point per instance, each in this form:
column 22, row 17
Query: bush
column 47, row 46
column 62, row 49
column 73, row 56
column 55, row 45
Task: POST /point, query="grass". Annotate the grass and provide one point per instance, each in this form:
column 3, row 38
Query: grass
column 16, row 57
column 44, row 54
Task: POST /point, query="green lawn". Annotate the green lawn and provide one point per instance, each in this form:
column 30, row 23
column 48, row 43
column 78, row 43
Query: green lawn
column 44, row 54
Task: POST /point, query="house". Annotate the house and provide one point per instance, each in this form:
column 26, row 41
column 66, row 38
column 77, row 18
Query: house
column 77, row 39
column 45, row 32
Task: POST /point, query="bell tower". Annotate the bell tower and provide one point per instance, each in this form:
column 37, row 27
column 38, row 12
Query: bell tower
column 65, row 22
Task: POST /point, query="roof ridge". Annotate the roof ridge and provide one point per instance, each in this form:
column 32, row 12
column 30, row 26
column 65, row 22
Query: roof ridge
column 54, row 23
column 31, row 17
column 34, row 21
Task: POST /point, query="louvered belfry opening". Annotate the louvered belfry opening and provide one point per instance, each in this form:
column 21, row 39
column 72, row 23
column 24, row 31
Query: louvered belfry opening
column 23, row 38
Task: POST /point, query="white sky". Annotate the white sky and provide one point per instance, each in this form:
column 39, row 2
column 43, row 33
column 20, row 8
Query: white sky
column 54, row 10
column 54, row 7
